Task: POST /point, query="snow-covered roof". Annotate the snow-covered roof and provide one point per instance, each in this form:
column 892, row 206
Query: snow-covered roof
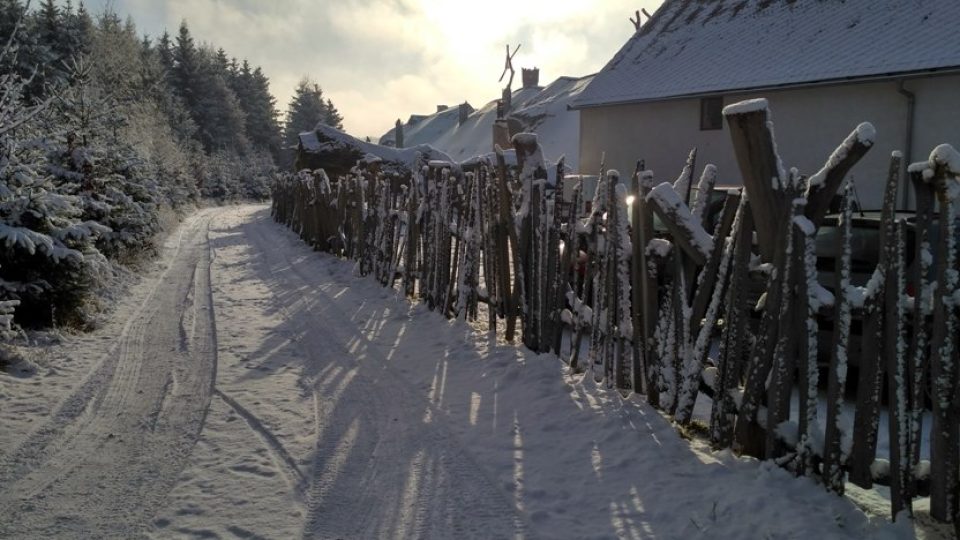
column 424, row 129
column 541, row 110
column 336, row 140
column 696, row 47
column 309, row 141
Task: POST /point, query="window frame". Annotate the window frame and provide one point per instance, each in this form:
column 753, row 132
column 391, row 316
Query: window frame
column 711, row 119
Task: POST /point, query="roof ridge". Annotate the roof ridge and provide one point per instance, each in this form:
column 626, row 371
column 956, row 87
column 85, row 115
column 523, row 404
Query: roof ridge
column 741, row 45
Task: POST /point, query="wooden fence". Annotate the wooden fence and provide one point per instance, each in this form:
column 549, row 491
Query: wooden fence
column 731, row 307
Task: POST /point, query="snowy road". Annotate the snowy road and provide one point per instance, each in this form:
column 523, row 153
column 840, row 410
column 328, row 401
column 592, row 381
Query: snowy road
column 251, row 388
column 114, row 448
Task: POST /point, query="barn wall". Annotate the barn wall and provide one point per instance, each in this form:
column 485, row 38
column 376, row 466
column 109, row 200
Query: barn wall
column 809, row 124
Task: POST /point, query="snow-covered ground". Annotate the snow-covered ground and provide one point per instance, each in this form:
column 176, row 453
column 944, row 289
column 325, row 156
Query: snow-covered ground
column 252, row 388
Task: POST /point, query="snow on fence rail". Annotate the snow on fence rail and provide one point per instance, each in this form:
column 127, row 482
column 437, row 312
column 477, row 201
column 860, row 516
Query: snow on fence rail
column 671, row 315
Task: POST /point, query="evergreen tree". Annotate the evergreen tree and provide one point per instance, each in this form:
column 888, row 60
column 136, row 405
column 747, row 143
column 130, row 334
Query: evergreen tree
column 115, row 57
column 47, row 259
column 218, row 113
column 96, row 163
column 221, row 64
column 28, row 59
column 307, row 109
column 156, row 64
column 259, row 106
column 333, row 117
column 50, row 26
column 84, row 28
column 185, row 70
column 213, row 106
column 11, row 14
column 165, row 53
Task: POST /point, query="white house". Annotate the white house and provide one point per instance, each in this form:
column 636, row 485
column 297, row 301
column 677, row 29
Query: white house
column 824, row 66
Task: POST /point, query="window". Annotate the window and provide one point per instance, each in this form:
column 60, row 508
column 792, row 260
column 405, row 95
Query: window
column 711, row 113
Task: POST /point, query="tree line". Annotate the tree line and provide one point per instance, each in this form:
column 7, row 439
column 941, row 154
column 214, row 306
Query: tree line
column 103, row 131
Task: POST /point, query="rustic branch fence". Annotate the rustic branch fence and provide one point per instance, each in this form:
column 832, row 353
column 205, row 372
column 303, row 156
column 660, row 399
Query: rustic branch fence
column 729, row 307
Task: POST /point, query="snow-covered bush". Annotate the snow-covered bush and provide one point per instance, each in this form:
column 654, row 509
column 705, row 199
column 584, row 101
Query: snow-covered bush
column 91, row 160
column 48, row 261
column 227, row 176
column 48, row 258
column 114, row 192
column 256, row 177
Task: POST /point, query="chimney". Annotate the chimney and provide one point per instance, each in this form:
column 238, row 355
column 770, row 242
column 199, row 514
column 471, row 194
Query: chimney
column 441, row 108
column 464, row 109
column 399, row 134
column 531, row 77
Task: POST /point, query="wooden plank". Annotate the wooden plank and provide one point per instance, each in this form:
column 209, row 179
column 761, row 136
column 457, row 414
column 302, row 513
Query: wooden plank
column 648, row 285
column 618, row 310
column 808, row 369
column 832, row 459
column 943, row 373
column 672, row 362
column 533, row 177
column 763, row 176
column 700, row 205
column 410, row 270
column 783, row 365
column 453, row 267
column 512, row 245
column 572, row 257
column 708, row 277
column 734, row 337
column 685, row 231
column 700, row 336
column 871, row 362
column 750, row 438
column 599, row 260
column 555, row 274
column 919, row 366
column 612, row 358
column 823, row 186
column 638, row 271
column 490, row 278
column 683, row 185
column 565, row 273
column 899, row 421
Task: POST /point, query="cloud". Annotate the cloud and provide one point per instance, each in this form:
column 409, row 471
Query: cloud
column 379, row 60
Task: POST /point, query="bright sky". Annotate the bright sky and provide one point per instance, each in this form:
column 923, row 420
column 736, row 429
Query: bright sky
column 379, row 60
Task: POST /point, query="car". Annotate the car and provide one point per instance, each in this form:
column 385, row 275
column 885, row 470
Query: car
column 865, row 245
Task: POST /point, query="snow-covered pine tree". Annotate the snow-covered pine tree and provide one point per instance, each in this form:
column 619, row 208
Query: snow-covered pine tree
column 48, row 26
column 47, row 258
column 307, row 108
column 259, row 107
column 212, row 104
column 93, row 162
column 333, row 117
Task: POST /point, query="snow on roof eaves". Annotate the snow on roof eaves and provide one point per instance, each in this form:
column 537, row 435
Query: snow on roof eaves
column 700, row 47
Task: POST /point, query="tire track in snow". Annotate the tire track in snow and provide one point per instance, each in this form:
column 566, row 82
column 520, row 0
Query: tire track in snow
column 76, row 410
column 345, row 430
column 440, row 490
column 284, row 461
column 104, row 463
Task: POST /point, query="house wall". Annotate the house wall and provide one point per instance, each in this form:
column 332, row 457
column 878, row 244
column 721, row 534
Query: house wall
column 808, row 123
